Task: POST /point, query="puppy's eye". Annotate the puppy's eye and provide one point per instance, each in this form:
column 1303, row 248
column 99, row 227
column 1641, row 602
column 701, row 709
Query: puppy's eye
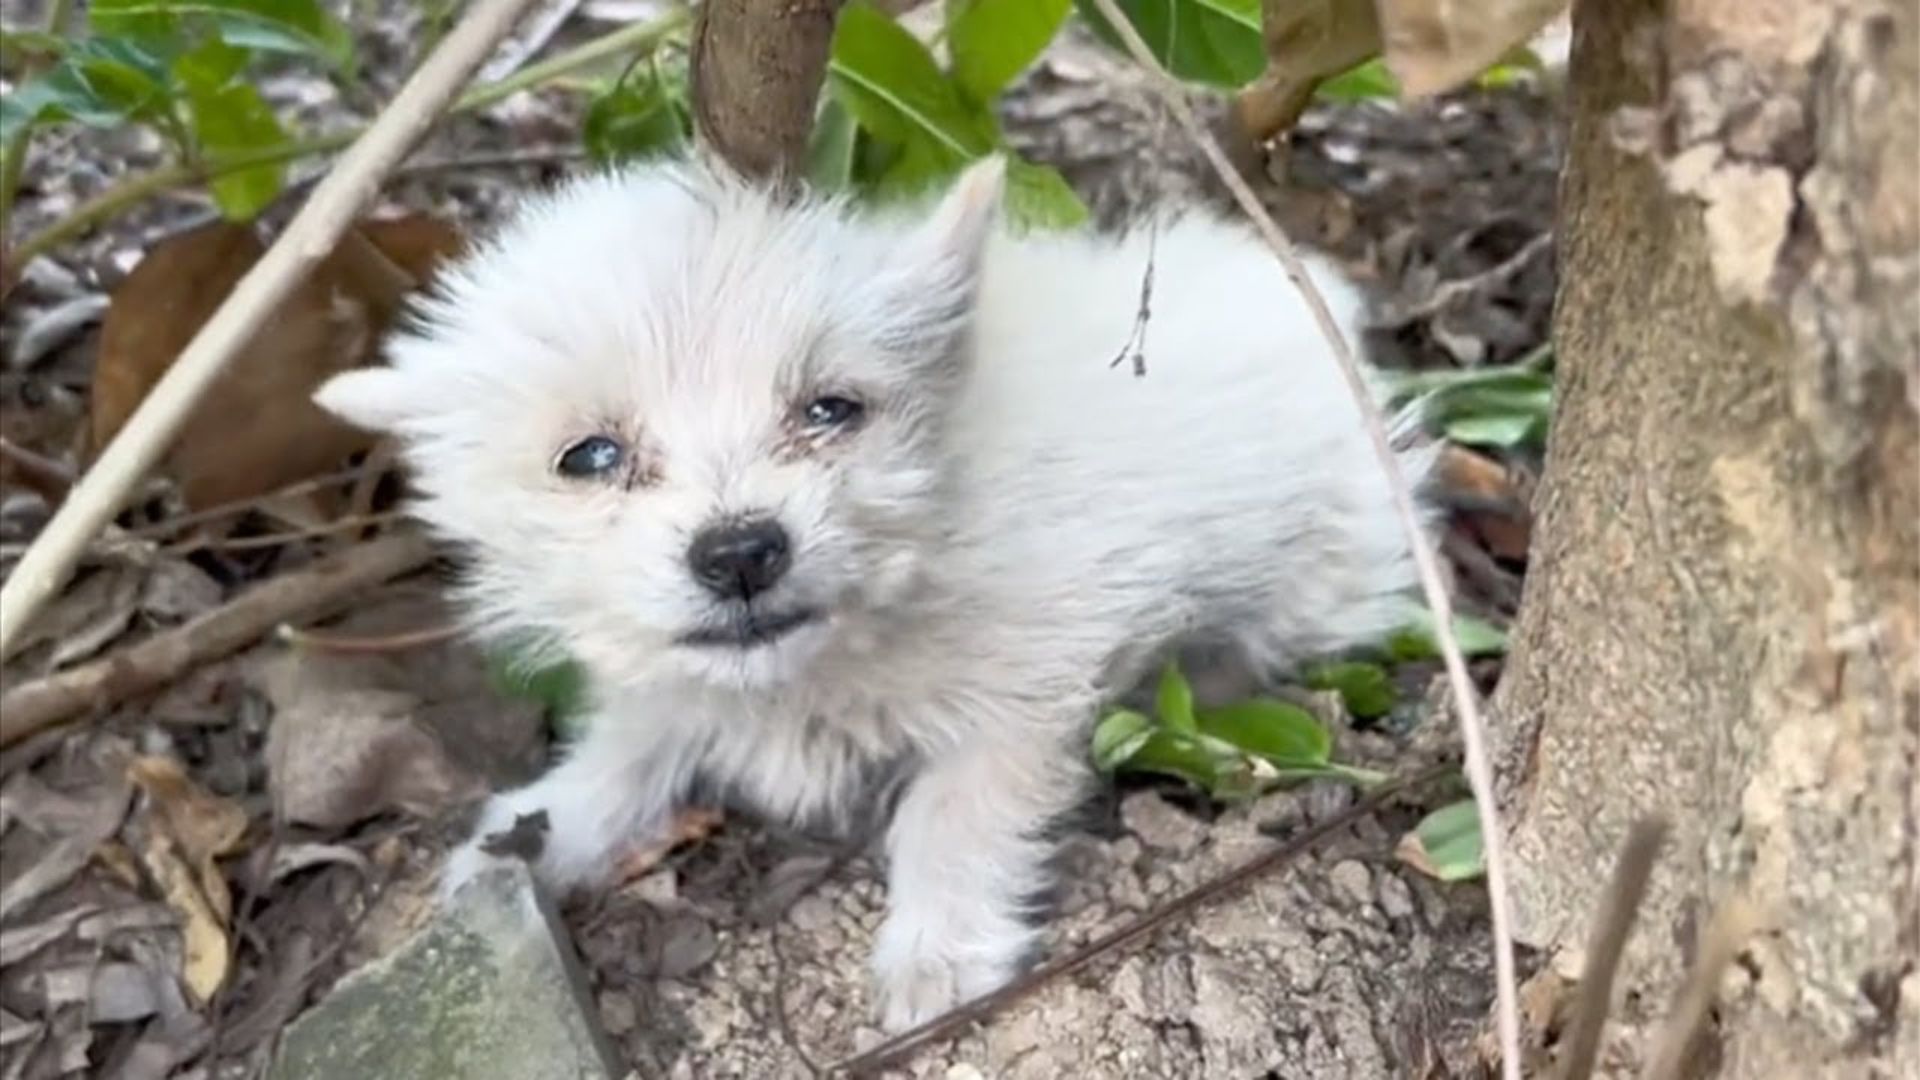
column 831, row 411
column 595, row 455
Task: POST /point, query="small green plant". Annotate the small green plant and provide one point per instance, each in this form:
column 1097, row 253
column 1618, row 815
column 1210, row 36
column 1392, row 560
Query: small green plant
column 1231, row 752
column 183, row 68
column 1505, row 406
column 895, row 123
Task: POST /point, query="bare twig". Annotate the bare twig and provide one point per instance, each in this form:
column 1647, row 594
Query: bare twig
column 314, row 232
column 891, row 1051
column 1735, row 922
column 1466, row 699
column 347, row 523
column 1608, row 944
column 400, row 642
column 303, row 594
column 49, row 477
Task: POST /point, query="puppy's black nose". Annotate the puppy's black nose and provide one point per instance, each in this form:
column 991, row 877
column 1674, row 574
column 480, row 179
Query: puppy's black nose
column 739, row 560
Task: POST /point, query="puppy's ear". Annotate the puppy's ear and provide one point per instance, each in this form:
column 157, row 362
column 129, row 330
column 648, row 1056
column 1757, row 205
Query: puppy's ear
column 375, row 398
column 936, row 271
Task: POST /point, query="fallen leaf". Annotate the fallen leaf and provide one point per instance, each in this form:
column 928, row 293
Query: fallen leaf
column 256, row 429
column 1490, row 500
column 339, row 753
column 1307, row 42
column 208, row 955
column 203, row 826
column 91, row 821
column 1435, row 45
column 690, row 826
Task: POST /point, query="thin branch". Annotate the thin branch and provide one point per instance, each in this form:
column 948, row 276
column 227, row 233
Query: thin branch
column 1607, row 945
column 400, row 642
column 136, row 189
column 1736, row 921
column 335, row 205
column 307, row 593
column 1466, row 699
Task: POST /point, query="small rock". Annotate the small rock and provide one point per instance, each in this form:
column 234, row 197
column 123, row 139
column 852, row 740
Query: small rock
column 1160, row 824
column 964, row 1071
column 1352, row 878
column 1395, row 898
column 489, row 989
column 618, row 1012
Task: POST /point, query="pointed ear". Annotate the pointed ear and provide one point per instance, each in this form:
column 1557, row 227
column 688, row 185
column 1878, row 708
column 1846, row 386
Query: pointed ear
column 375, row 398
column 960, row 225
column 929, row 287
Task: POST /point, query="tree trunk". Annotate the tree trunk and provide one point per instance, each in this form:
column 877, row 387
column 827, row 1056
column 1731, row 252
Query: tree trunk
column 756, row 69
column 1723, row 619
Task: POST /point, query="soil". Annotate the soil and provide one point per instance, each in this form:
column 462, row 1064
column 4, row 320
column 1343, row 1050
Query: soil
column 742, row 952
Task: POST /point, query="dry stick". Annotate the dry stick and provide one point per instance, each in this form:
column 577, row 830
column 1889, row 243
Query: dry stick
column 336, row 203
column 1472, row 728
column 306, row 593
column 1618, row 908
column 386, row 643
column 1199, row 896
column 1735, row 922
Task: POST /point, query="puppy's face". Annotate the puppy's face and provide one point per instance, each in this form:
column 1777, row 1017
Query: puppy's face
column 681, row 426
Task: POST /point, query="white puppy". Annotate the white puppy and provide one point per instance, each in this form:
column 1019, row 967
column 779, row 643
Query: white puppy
column 822, row 498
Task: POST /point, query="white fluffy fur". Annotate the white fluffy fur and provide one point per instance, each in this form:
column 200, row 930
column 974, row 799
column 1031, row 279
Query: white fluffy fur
column 1019, row 532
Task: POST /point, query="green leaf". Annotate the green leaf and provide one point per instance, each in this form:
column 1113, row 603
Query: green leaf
column 1038, row 197
column 1183, row 757
column 1284, row 734
column 559, row 687
column 235, row 119
column 1504, row 431
column 1369, row 81
column 993, row 41
column 1447, row 843
column 302, row 27
column 1118, row 737
column 1174, row 700
column 639, row 117
column 888, row 80
column 1209, row 41
column 100, row 82
column 1365, row 688
column 830, row 154
column 1416, row 641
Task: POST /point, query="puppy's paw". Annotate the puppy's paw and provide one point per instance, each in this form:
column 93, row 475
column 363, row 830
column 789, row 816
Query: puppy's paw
column 920, row 975
column 505, row 833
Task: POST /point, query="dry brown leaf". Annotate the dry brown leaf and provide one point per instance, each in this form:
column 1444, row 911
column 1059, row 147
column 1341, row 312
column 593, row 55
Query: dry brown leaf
column 1308, row 41
column 339, row 753
column 202, row 825
column 257, row 429
column 207, row 953
column 689, row 826
column 1435, row 45
column 1500, row 519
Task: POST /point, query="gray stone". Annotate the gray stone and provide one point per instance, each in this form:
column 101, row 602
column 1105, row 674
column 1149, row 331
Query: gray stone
column 490, row 990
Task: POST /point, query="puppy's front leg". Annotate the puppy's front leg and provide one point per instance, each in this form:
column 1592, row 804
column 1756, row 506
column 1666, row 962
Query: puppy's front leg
column 620, row 784
column 966, row 853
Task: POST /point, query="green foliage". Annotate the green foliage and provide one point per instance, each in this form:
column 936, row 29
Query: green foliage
column 1368, row 81
column 1232, row 752
column 1416, row 640
column 1215, row 42
column 1447, row 843
column 182, row 67
column 642, row 114
column 1504, row 406
column 1365, row 689
column 558, row 687
column 993, row 41
column 915, row 124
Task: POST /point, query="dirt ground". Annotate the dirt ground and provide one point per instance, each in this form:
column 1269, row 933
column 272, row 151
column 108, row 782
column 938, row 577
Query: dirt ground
column 318, row 789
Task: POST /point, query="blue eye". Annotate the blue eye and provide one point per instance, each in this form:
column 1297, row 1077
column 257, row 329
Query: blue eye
column 827, row 412
column 595, row 455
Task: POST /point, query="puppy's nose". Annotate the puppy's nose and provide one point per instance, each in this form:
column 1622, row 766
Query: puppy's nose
column 737, row 561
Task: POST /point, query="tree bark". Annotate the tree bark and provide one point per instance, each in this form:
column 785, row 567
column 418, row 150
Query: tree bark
column 756, row 70
column 1722, row 622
